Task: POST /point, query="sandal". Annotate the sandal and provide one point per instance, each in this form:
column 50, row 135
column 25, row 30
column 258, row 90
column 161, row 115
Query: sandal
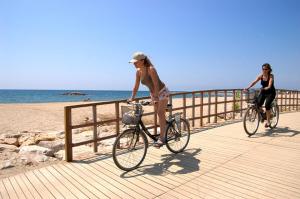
column 158, row 144
column 267, row 125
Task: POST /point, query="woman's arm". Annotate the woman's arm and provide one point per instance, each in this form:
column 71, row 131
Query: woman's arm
column 271, row 79
column 154, row 77
column 136, row 85
column 254, row 82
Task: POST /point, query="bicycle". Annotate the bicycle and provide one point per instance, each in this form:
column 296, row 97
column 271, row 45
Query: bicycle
column 254, row 114
column 130, row 147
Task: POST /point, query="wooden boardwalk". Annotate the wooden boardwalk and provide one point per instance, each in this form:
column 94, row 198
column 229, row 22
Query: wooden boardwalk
column 219, row 162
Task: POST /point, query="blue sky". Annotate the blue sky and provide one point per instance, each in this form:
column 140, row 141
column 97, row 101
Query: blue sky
column 194, row 44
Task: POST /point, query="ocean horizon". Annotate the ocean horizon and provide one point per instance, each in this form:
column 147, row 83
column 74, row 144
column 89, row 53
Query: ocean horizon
column 9, row 96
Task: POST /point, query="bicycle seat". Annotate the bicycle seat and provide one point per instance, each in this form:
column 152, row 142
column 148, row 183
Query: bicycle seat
column 169, row 105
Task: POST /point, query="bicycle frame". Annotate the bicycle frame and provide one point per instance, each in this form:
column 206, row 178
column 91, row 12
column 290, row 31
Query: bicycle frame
column 141, row 126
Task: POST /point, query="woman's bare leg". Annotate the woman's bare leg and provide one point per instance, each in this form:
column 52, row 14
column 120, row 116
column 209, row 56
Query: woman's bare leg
column 161, row 112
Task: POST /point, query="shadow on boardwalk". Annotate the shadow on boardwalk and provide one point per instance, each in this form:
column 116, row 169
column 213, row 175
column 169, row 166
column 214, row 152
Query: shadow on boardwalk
column 184, row 162
column 278, row 132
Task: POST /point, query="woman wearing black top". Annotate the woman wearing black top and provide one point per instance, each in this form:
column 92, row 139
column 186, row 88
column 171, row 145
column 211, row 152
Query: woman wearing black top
column 268, row 92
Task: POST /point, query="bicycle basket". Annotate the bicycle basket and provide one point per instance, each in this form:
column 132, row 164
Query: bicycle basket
column 251, row 96
column 129, row 115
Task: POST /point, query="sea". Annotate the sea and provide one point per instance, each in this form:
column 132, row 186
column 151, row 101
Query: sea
column 8, row 96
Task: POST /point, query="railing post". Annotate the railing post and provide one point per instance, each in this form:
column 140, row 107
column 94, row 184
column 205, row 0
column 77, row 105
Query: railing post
column 281, row 101
column 285, row 104
column 294, row 100
column 297, row 101
column 225, row 105
column 170, row 101
column 241, row 104
column 184, row 105
column 201, row 108
column 208, row 111
column 290, row 98
column 117, row 108
column 193, row 109
column 233, row 113
column 68, row 135
column 216, row 106
column 95, row 128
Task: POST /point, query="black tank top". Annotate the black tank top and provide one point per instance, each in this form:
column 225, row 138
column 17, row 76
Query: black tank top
column 266, row 83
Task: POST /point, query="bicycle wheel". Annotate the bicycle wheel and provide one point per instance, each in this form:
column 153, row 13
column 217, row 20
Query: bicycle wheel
column 130, row 149
column 251, row 120
column 274, row 116
column 177, row 136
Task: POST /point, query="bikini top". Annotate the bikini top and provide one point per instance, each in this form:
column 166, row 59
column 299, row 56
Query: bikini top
column 147, row 81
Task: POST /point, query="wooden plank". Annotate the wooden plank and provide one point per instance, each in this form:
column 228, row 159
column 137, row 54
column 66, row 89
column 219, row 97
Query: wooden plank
column 204, row 190
column 223, row 188
column 76, row 182
column 83, row 181
column 102, row 180
column 16, row 187
column 30, row 186
column 106, row 175
column 3, row 191
column 92, row 181
column 59, row 185
column 138, row 192
column 271, row 177
column 41, row 189
column 23, row 186
column 255, row 183
column 154, row 187
column 67, row 187
column 9, row 188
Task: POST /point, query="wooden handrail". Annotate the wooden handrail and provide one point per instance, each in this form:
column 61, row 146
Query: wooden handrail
column 287, row 100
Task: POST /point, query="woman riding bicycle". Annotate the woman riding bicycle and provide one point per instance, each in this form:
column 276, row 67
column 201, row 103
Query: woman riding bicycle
column 147, row 74
column 268, row 92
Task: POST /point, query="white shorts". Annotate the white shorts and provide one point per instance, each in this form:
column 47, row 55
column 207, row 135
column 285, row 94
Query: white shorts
column 163, row 94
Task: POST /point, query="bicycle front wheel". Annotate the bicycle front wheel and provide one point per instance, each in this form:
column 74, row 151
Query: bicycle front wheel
column 130, row 149
column 251, row 121
column 274, row 116
column 177, row 135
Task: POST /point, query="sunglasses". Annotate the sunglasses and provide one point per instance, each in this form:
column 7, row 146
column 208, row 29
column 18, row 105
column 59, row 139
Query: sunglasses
column 265, row 69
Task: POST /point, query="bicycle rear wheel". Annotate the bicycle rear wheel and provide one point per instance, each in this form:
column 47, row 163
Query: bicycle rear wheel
column 274, row 116
column 130, row 149
column 251, row 120
column 177, row 136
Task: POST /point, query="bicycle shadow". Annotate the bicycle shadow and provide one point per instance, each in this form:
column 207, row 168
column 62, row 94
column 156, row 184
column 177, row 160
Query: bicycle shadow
column 278, row 132
column 181, row 163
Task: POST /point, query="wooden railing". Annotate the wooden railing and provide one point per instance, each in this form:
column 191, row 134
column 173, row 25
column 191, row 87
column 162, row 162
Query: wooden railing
column 222, row 105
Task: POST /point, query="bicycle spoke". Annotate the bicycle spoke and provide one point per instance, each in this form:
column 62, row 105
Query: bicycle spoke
column 251, row 121
column 129, row 150
column 177, row 136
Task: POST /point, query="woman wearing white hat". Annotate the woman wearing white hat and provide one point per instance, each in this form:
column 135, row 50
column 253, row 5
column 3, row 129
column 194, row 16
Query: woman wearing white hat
column 147, row 75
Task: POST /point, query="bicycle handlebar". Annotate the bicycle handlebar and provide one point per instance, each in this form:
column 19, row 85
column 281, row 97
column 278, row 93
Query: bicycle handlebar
column 143, row 103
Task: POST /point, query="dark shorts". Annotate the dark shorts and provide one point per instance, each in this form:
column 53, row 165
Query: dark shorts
column 269, row 97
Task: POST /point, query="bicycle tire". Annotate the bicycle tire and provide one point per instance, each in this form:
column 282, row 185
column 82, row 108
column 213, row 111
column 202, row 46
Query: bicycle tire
column 174, row 136
column 251, row 110
column 274, row 111
column 129, row 149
